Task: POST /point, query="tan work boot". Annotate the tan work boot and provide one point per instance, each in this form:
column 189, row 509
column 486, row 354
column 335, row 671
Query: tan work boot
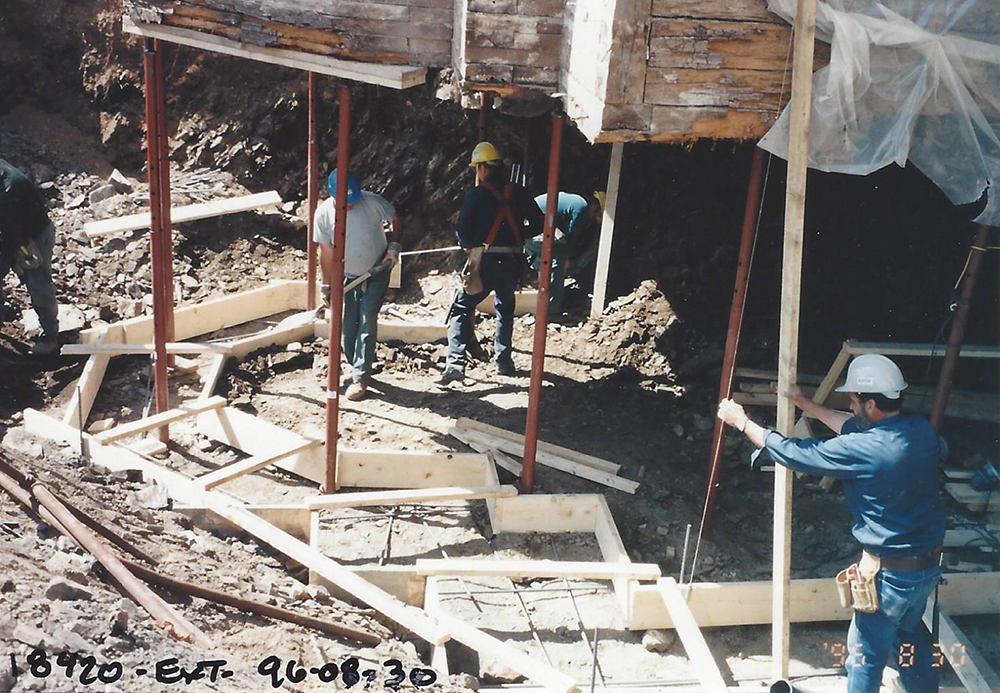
column 356, row 391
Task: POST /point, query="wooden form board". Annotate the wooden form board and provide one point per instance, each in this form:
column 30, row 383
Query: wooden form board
column 690, row 635
column 409, row 469
column 578, row 570
column 553, row 513
column 976, row 501
column 251, row 464
column 278, row 335
column 179, row 215
column 430, row 495
column 965, row 659
column 207, row 316
column 812, row 600
column 550, row 448
column 394, row 76
column 524, row 303
column 396, row 331
column 187, row 410
column 112, row 349
column 82, row 401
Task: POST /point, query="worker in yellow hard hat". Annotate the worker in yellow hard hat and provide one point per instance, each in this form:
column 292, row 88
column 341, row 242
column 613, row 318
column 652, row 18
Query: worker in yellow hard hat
column 575, row 220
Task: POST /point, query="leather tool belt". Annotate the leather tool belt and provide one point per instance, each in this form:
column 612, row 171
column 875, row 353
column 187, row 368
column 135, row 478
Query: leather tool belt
column 921, row 562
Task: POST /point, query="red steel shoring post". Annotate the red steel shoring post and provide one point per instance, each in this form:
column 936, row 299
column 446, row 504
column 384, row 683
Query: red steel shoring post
column 156, row 235
column 542, row 311
column 750, row 214
column 313, row 194
column 958, row 328
column 165, row 202
column 485, row 103
column 337, row 290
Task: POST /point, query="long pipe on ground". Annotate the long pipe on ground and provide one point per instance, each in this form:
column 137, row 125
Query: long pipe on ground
column 165, row 201
column 957, row 333
column 62, row 519
column 542, row 311
column 249, row 606
column 156, row 234
column 750, row 215
column 313, row 195
column 337, row 291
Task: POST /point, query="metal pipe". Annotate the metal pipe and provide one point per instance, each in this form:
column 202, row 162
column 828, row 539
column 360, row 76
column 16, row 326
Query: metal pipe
column 313, row 194
column 542, row 311
column 156, row 607
column 250, row 606
column 165, row 201
column 751, row 213
column 337, row 290
column 13, row 488
column 156, row 234
column 958, row 328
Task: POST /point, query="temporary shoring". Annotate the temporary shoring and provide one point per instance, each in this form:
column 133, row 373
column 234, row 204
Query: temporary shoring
column 162, row 252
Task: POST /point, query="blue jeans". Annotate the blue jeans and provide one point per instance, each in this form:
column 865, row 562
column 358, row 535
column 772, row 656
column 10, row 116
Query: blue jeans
column 359, row 330
column 894, row 633
column 500, row 273
column 38, row 282
column 557, row 282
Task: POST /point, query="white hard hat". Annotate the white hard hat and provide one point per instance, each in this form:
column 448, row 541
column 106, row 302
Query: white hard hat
column 874, row 373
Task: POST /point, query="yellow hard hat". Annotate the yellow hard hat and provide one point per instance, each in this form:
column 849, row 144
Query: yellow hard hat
column 600, row 196
column 483, row 154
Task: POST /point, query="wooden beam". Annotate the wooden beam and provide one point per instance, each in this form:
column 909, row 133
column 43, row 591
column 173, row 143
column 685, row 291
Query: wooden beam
column 788, row 342
column 394, row 76
column 432, row 605
column 690, row 634
column 409, row 469
column 968, row 663
column 430, row 495
column 240, row 347
column 208, row 316
column 614, row 553
column 201, row 210
column 211, row 377
column 82, row 401
column 557, row 450
column 396, row 331
column 574, row 570
column 119, row 349
column 607, row 232
column 555, row 513
column 976, row 501
column 524, row 303
column 812, row 600
column 192, row 408
column 251, row 464
column 901, row 349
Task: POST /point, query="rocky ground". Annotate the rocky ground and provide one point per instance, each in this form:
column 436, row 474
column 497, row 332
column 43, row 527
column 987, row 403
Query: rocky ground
column 637, row 385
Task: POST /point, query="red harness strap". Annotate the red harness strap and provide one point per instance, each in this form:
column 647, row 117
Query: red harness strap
column 504, row 212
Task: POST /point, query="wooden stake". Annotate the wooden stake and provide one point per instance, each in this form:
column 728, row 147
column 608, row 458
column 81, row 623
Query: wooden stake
column 607, row 232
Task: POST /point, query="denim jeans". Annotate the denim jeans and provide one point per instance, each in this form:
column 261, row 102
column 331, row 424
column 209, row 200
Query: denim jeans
column 500, row 273
column 359, row 330
column 38, row 282
column 895, row 633
column 557, row 282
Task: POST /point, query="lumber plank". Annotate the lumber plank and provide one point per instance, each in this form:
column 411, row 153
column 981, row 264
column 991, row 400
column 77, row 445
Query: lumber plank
column 430, row 495
column 408, row 469
column 394, row 76
column 211, row 377
column 908, row 349
column 627, row 63
column 432, row 605
column 556, row 462
column 690, row 634
column 974, row 500
column 968, row 663
column 603, row 269
column 812, row 600
column 572, row 455
column 499, row 458
column 241, row 347
column 179, row 215
column 613, row 551
column 579, row 570
column 251, row 464
column 397, row 331
column 188, row 409
column 552, row 513
column 207, row 316
column 119, row 349
column 82, row 400
column 524, row 303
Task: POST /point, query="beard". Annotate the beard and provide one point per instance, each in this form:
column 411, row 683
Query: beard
column 862, row 420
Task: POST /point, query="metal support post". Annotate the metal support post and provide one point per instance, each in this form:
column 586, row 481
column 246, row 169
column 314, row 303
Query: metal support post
column 750, row 214
column 337, row 291
column 313, row 194
column 165, row 202
column 542, row 312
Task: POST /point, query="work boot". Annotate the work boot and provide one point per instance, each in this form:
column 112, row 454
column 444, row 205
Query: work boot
column 46, row 344
column 506, row 368
column 450, row 375
column 356, row 391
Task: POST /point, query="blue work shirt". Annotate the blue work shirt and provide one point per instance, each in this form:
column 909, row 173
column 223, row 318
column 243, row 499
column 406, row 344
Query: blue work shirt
column 571, row 216
column 890, row 476
column 479, row 210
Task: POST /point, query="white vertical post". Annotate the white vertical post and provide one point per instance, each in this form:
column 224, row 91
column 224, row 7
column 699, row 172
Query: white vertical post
column 607, row 232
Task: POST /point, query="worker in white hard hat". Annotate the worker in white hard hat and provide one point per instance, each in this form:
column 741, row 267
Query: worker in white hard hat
column 497, row 215
column 888, row 461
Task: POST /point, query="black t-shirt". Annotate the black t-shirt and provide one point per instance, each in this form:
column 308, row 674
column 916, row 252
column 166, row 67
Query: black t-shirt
column 22, row 210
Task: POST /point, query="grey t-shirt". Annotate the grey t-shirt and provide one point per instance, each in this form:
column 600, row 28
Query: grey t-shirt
column 366, row 242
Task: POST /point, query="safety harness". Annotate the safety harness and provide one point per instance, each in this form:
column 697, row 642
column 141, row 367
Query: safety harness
column 504, row 212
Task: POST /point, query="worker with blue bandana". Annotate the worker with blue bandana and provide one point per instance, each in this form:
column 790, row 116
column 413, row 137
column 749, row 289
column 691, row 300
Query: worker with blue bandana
column 368, row 255
column 574, row 217
column 888, row 461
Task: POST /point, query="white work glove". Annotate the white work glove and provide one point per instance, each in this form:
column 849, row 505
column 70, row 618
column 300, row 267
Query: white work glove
column 393, row 252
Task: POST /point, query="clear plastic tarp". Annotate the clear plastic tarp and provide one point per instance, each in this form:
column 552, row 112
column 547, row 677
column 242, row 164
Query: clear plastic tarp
column 907, row 79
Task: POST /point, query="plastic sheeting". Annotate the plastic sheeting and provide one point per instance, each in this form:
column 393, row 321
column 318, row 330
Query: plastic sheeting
column 907, row 79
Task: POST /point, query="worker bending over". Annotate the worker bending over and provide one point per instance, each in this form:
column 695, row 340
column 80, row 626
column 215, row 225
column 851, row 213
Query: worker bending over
column 889, row 464
column 367, row 253
column 496, row 217
column 27, row 237
column 575, row 217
